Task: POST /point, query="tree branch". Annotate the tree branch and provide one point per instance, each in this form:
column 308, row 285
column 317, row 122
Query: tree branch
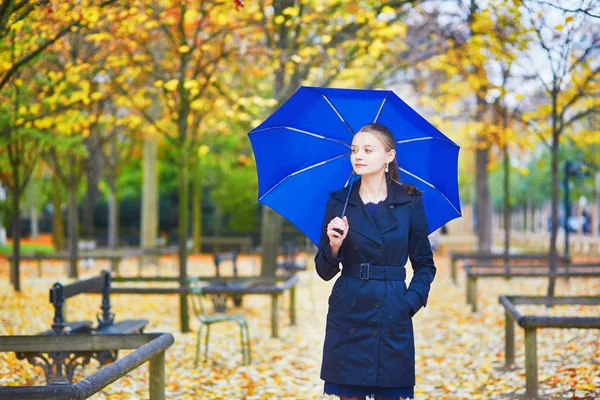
column 567, row 10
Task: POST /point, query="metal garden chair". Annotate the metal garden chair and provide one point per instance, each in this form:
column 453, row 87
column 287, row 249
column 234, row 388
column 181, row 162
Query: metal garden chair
column 205, row 319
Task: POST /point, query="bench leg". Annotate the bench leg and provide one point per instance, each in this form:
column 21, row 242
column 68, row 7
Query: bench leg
column 248, row 349
column 468, row 291
column 245, row 342
column 531, row 375
column 453, row 270
column 472, row 292
column 293, row 305
column 509, row 340
column 206, row 343
column 157, row 377
column 274, row 319
column 198, row 344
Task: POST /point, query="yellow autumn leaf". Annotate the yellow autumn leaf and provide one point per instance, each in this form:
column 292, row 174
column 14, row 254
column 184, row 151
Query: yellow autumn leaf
column 325, row 39
column 197, row 105
column 171, row 85
column 184, row 49
column 203, row 150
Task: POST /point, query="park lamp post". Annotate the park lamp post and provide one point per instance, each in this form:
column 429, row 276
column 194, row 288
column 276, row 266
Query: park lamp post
column 577, row 169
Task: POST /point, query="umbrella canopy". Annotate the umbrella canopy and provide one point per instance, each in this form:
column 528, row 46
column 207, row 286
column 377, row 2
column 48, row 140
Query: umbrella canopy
column 303, row 153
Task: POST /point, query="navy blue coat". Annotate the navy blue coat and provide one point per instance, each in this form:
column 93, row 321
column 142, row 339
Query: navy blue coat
column 369, row 334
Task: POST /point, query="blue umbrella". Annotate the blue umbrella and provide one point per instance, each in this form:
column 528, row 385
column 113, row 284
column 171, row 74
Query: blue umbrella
column 303, row 153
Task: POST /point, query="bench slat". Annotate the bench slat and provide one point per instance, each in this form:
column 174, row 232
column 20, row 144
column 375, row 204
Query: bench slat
column 72, row 327
column 85, row 286
column 127, row 326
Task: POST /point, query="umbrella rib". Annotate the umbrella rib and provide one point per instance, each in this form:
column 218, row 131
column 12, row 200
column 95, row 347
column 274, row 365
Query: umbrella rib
column 303, row 132
column 381, row 108
column 414, row 140
column 429, row 184
column 302, row 170
column 428, row 138
column 338, row 114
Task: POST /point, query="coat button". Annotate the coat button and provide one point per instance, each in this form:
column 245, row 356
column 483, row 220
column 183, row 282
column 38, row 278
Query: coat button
column 352, row 331
column 375, row 332
column 377, row 304
column 381, row 248
column 353, row 303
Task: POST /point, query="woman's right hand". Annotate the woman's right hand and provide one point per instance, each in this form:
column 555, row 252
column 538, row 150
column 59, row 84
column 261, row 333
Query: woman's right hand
column 335, row 239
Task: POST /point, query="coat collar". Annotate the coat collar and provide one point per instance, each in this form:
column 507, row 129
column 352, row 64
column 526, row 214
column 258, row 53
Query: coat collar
column 396, row 194
column 383, row 220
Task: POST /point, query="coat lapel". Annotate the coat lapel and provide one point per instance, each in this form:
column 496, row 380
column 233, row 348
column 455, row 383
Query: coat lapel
column 383, row 220
column 384, row 217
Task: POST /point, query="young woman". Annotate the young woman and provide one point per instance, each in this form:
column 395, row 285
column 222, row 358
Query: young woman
column 369, row 346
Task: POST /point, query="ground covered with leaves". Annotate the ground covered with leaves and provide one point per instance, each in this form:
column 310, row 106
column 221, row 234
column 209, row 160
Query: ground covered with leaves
column 460, row 355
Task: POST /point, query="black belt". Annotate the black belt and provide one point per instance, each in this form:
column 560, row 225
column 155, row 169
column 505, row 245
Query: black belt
column 366, row 271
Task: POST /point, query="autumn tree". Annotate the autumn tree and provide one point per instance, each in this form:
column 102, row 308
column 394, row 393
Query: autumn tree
column 569, row 79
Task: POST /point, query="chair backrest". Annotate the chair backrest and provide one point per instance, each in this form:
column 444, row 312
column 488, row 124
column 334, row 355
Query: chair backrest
column 228, row 256
column 196, row 297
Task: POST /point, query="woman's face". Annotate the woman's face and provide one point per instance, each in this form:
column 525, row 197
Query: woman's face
column 369, row 155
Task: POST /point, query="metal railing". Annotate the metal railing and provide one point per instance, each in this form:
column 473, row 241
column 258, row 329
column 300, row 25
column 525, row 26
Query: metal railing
column 148, row 347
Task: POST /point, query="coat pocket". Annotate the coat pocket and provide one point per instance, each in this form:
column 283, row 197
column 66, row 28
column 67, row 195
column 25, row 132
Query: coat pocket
column 339, row 291
column 397, row 293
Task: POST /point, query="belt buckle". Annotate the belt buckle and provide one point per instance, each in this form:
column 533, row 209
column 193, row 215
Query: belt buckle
column 361, row 276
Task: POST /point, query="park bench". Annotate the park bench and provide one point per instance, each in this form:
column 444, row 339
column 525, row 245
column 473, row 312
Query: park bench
column 60, row 327
column 506, row 259
column 475, row 272
column 290, row 265
column 532, row 323
column 115, row 259
column 242, row 244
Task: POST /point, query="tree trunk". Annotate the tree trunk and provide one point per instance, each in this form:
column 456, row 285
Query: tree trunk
column 183, row 234
column 58, row 226
column 484, row 204
column 149, row 225
column 35, row 231
column 554, row 202
column 92, row 192
column 15, row 275
column 507, row 213
column 595, row 204
column 218, row 227
column 72, row 228
column 113, row 216
column 197, row 217
column 270, row 241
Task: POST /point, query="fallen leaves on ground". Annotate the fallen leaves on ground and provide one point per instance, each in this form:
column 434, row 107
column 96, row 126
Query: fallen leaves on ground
column 460, row 355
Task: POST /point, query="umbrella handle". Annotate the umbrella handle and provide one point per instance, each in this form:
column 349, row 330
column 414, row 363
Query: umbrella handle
column 352, row 179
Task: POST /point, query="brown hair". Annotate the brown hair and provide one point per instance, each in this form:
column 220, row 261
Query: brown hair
column 387, row 138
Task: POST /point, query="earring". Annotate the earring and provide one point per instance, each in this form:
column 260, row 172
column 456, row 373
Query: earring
column 387, row 167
